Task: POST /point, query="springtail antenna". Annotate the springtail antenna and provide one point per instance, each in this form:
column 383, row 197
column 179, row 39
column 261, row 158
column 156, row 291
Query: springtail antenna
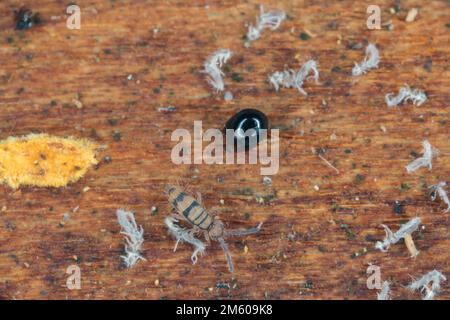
column 224, row 246
column 241, row 233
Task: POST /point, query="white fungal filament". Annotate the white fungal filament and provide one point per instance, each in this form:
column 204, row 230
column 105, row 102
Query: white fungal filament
column 425, row 161
column 384, row 294
column 134, row 237
column 423, row 284
column 404, row 94
column 371, row 61
column 271, row 20
column 392, row 238
column 213, row 66
column 291, row 79
column 439, row 189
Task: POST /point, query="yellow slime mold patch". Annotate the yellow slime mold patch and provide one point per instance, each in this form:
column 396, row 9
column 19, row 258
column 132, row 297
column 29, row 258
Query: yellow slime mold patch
column 44, row 161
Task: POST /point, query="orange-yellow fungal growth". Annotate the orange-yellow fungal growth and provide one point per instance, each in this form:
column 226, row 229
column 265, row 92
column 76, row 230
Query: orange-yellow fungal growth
column 42, row 160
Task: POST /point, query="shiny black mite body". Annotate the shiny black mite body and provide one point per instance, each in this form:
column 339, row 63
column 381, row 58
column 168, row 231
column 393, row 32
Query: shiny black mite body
column 248, row 119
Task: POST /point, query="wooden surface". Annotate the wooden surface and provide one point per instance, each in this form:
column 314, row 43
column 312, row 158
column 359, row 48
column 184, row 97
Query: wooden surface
column 307, row 246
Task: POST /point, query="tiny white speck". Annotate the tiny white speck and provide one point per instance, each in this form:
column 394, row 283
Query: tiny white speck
column 267, row 181
column 228, row 96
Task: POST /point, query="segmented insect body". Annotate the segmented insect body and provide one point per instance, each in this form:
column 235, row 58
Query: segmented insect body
column 189, row 207
column 192, row 211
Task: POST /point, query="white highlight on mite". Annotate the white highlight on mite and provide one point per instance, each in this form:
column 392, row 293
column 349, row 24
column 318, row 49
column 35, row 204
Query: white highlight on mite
column 423, row 284
column 385, row 293
column 371, row 61
column 425, row 160
column 271, row 20
column 404, row 94
column 134, row 237
column 184, row 235
column 291, row 79
column 393, row 238
column 439, row 189
column 212, row 67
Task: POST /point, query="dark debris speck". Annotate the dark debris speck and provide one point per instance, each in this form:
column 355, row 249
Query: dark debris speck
column 336, row 69
column 113, row 121
column 398, row 207
column 348, row 231
column 359, row 178
column 117, row 135
column 333, row 25
column 354, row 45
column 236, row 77
column 428, row 64
column 10, row 226
column 404, row 187
column 222, row 285
column 308, row 284
column 25, row 19
column 304, row 36
column 156, row 90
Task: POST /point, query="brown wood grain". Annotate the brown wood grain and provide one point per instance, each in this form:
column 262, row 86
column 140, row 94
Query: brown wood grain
column 306, row 249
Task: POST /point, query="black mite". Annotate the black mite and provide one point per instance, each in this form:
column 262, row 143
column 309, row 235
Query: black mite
column 25, row 19
column 248, row 119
